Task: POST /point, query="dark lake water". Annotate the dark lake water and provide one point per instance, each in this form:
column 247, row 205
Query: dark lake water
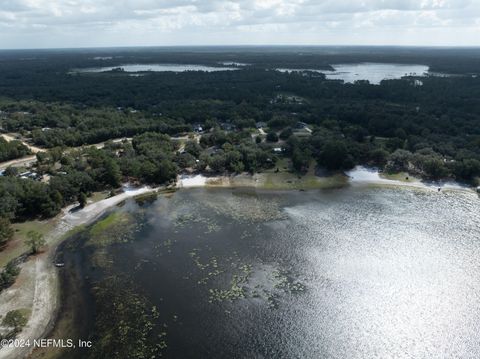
column 159, row 68
column 351, row 273
column 373, row 72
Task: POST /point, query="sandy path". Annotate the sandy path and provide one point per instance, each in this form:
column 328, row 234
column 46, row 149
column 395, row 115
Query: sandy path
column 38, row 283
column 24, row 161
column 30, row 160
column 34, row 149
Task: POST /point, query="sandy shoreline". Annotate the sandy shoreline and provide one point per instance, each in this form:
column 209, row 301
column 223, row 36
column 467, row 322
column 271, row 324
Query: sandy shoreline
column 358, row 176
column 38, row 283
column 367, row 176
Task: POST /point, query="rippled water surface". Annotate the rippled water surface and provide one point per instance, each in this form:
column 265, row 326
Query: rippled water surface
column 351, row 273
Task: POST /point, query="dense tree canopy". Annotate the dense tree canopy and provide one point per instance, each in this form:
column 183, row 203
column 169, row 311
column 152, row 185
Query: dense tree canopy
column 428, row 126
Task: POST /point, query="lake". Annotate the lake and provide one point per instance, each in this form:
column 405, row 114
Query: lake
column 158, row 68
column 373, row 72
column 357, row 272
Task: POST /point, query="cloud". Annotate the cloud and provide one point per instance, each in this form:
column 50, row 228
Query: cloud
column 157, row 22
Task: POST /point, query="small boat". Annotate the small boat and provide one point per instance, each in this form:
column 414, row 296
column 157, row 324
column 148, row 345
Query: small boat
column 59, row 265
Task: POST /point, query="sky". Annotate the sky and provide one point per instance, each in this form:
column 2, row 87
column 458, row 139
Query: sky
column 104, row 23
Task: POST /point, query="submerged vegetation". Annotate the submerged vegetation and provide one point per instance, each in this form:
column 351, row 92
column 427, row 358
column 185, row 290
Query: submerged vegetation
column 115, row 228
column 242, row 280
column 134, row 334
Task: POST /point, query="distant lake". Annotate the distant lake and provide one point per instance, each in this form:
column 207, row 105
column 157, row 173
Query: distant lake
column 358, row 272
column 373, row 72
column 157, row 68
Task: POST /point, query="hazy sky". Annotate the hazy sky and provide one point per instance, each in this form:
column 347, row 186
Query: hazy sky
column 84, row 23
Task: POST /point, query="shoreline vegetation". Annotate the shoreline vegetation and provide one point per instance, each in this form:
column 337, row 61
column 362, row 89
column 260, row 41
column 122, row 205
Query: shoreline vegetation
column 39, row 278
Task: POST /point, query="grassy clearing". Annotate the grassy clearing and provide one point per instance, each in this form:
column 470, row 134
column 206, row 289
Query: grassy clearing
column 99, row 196
column 400, row 176
column 16, row 247
column 286, row 179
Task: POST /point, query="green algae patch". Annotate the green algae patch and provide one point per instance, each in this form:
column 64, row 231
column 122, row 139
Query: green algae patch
column 146, row 198
column 117, row 227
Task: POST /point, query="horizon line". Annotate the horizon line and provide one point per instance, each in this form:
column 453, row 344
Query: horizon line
column 243, row 46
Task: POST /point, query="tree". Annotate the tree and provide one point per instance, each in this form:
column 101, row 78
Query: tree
column 399, row 160
column 434, row 168
column 6, row 231
column 272, row 137
column 15, row 319
column 300, row 160
column 193, row 148
column 8, row 275
column 286, row 133
column 217, row 162
column 379, row 156
column 467, row 169
column 334, row 156
column 35, row 241
column 82, row 199
column 112, row 173
column 11, row 171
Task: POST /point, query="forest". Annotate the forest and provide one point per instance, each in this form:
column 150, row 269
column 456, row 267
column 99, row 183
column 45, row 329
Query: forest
column 429, row 126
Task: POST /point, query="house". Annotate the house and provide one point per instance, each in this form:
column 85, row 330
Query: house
column 28, row 174
column 226, row 126
column 197, row 128
column 277, row 149
column 260, row 125
column 301, row 125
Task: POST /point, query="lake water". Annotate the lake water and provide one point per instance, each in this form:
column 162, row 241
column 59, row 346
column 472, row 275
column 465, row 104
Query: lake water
column 373, row 72
column 358, row 272
column 158, row 68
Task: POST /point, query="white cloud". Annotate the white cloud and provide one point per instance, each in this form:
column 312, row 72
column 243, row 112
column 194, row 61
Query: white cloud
column 148, row 22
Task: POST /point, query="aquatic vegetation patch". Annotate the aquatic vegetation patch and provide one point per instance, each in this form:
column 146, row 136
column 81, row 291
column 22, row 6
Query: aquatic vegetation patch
column 185, row 220
column 246, row 208
column 127, row 323
column 283, row 280
column 117, row 227
column 244, row 280
column 236, row 289
column 146, row 198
